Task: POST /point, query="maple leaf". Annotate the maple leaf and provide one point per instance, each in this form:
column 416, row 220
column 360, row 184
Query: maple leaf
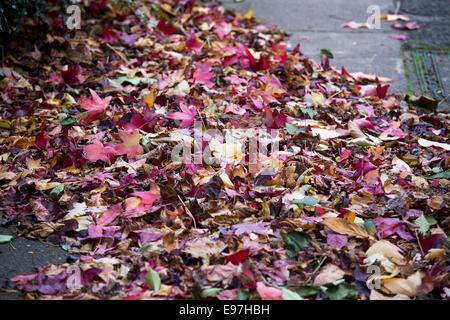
column 129, row 39
column 97, row 151
column 274, row 120
column 130, row 145
column 268, row 293
column 73, row 75
column 108, row 36
column 96, row 106
column 202, row 73
column 193, row 44
column 381, row 90
column 109, row 215
column 168, row 31
column 141, row 201
column 187, row 115
column 238, row 257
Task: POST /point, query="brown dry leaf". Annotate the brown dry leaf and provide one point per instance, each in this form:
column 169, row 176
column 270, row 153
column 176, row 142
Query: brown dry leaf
column 375, row 295
column 387, row 249
column 408, row 287
column 43, row 185
column 205, row 247
column 343, row 226
column 329, row 273
column 169, row 241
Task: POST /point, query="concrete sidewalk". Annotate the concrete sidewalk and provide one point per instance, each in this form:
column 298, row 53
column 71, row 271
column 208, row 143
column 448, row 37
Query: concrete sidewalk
column 316, row 24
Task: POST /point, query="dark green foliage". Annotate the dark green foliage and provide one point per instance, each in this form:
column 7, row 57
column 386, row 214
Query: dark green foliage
column 13, row 13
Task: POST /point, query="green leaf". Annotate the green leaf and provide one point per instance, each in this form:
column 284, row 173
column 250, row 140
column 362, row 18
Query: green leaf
column 370, row 227
column 362, row 142
column 308, row 111
column 295, row 241
column 210, row 292
column 55, row 193
column 5, row 238
column 291, row 129
column 307, row 291
column 134, row 81
column 440, row 175
column 424, row 222
column 327, row 53
column 153, row 280
column 243, row 295
column 290, row 295
column 306, row 201
column 340, row 291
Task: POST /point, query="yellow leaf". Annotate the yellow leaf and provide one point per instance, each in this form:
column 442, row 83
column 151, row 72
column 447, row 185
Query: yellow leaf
column 434, row 254
column 317, row 99
column 5, row 124
column 149, row 99
column 248, row 15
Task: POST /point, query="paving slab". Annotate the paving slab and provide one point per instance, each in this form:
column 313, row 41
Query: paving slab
column 316, row 24
column 19, row 256
column 357, row 52
column 312, row 15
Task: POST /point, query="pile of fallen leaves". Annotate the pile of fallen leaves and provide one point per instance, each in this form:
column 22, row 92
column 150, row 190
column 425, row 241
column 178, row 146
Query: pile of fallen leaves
column 353, row 205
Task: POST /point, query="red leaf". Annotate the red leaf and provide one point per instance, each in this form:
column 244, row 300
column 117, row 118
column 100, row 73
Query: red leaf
column 381, row 90
column 73, row 75
column 261, row 65
column 168, row 31
column 238, row 257
column 193, row 44
column 109, row 36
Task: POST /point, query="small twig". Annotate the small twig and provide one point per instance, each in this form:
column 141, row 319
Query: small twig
column 334, row 94
column 188, row 211
column 201, row 118
column 317, row 269
column 121, row 56
column 421, row 249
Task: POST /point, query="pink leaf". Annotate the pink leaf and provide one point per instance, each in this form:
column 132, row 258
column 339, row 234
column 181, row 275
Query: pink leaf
column 389, row 226
column 96, row 106
column 109, row 215
column 399, row 37
column 97, row 151
column 336, row 240
column 142, row 201
column 202, row 73
column 268, row 293
column 193, row 44
column 187, row 115
column 130, row 145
